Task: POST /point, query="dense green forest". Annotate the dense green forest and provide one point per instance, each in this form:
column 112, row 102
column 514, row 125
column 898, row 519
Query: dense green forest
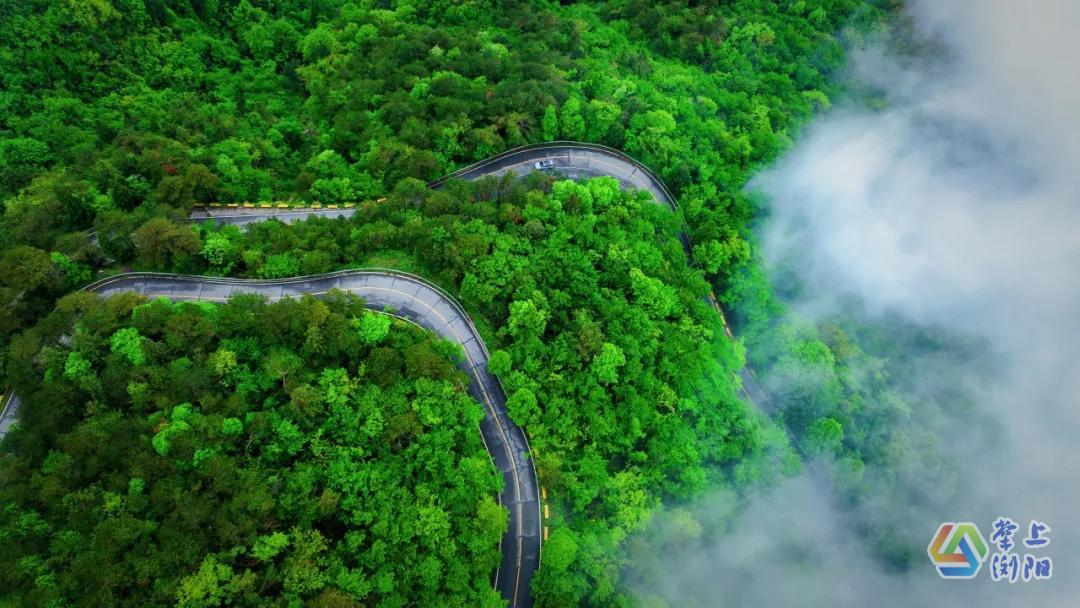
column 120, row 116
column 249, row 453
column 607, row 350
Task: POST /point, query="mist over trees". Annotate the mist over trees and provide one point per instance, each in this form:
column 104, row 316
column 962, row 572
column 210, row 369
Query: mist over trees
column 889, row 237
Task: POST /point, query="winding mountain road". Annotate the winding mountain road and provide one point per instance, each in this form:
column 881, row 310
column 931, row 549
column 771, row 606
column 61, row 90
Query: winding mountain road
column 571, row 159
column 420, row 302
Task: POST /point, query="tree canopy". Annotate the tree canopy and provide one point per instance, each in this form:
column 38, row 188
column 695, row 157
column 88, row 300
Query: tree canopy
column 205, row 455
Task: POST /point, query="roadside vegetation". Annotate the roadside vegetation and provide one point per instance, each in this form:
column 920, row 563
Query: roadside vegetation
column 122, row 118
column 252, row 454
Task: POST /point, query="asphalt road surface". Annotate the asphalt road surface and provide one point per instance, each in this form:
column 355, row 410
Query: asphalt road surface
column 242, row 216
column 424, row 304
column 572, row 160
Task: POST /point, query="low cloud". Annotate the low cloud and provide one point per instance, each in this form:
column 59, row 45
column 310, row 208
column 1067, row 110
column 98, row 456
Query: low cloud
column 956, row 207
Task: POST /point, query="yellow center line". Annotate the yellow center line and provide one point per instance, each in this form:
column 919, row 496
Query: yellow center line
column 517, row 579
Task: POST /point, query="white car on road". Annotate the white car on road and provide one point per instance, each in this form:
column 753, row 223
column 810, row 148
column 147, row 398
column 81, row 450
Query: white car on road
column 544, row 164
